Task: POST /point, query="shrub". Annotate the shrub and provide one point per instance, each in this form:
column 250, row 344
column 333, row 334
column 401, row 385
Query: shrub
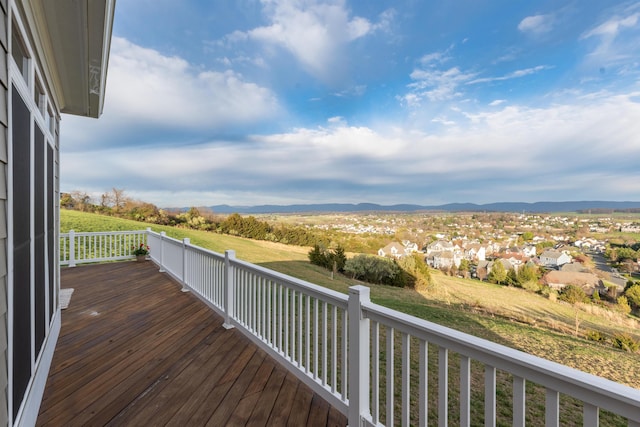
column 633, row 295
column 531, row 285
column 416, row 271
column 573, row 294
column 595, row 336
column 374, row 269
column 330, row 259
column 548, row 292
column 625, row 342
column 623, row 305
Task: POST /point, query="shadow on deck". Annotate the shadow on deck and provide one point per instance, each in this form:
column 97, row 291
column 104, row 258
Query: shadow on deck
column 135, row 350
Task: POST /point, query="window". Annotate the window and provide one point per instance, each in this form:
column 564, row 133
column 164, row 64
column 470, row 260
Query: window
column 40, row 98
column 19, row 53
column 22, row 321
column 49, row 121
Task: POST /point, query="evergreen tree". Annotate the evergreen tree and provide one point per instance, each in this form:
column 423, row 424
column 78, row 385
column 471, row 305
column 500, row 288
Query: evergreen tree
column 498, row 274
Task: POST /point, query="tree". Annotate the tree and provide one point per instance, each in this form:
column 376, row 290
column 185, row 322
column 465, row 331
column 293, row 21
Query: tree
column 317, row 256
column 574, row 295
column 498, row 274
column 481, row 273
column 527, row 277
column 626, row 254
column 416, row 271
column 114, row 199
column 334, row 260
column 623, row 304
column 464, row 268
column 339, row 258
column 633, row 295
column 82, row 201
column 512, row 278
column 66, row 201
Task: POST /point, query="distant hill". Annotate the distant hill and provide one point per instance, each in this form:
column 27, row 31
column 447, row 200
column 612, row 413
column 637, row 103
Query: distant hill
column 537, row 207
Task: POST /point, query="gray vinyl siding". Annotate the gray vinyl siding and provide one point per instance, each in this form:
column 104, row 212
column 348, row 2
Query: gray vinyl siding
column 3, row 211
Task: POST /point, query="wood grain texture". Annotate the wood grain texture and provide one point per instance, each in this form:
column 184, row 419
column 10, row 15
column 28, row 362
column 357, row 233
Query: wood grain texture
column 135, row 350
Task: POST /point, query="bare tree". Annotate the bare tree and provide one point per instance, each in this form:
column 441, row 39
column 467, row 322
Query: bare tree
column 115, row 199
column 119, row 198
column 81, row 200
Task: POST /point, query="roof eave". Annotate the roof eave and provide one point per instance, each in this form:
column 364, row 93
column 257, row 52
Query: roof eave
column 75, row 41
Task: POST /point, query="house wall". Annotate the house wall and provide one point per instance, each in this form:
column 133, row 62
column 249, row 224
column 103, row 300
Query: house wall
column 28, row 216
column 4, row 120
column 4, row 123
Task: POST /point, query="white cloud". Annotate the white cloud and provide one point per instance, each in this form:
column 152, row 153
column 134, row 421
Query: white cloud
column 314, row 32
column 151, row 86
column 616, row 41
column 434, row 83
column 435, row 58
column 438, row 85
column 148, row 89
column 521, row 153
column 536, row 24
column 613, row 26
column 513, row 75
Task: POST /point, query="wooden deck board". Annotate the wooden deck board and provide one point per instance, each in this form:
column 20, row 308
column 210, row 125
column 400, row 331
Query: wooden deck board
column 135, row 350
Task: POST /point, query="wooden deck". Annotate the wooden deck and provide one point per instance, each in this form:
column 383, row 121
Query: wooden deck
column 135, row 350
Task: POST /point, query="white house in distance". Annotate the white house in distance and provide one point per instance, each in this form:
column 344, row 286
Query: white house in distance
column 475, row 252
column 551, row 258
column 444, row 259
column 393, row 249
column 54, row 60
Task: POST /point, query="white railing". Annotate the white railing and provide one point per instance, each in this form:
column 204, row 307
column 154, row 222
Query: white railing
column 78, row 248
column 382, row 367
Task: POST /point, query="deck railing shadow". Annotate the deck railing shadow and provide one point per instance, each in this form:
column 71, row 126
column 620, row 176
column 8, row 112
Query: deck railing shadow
column 341, row 345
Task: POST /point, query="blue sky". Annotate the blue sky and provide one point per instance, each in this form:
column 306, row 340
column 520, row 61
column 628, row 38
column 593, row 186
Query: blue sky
column 249, row 102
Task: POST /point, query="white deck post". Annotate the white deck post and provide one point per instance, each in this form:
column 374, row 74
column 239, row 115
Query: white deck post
column 146, row 239
column 229, row 285
column 162, row 236
column 72, row 248
column 358, row 353
column 185, row 243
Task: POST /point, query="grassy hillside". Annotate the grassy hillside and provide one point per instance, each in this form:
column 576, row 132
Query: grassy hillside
column 508, row 316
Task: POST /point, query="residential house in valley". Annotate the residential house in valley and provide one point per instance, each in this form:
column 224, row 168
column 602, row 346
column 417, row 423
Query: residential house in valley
column 475, row 252
column 409, row 246
column 397, row 250
column 589, row 282
column 554, row 258
column 444, row 259
column 393, row 250
column 440, row 246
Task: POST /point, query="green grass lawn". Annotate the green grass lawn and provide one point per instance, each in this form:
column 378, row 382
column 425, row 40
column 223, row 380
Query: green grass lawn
column 508, row 316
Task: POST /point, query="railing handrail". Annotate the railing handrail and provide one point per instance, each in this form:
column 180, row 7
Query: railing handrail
column 332, row 297
column 102, row 233
column 604, row 393
column 98, row 246
column 283, row 314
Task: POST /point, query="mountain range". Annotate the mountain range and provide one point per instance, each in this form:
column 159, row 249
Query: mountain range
column 537, row 207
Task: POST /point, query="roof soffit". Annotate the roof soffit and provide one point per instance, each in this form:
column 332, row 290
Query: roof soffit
column 72, row 39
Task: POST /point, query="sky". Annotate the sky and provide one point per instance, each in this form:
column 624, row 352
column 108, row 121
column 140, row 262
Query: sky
column 251, row 102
